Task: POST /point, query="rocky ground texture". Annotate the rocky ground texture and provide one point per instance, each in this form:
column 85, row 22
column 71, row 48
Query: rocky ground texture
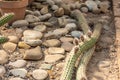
column 39, row 44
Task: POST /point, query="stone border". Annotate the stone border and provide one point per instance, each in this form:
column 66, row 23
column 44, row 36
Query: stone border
column 116, row 11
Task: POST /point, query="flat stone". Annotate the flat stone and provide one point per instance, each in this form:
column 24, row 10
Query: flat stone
column 56, row 50
column 9, row 46
column 60, row 32
column 41, row 28
column 39, row 74
column 32, row 34
column 20, row 23
column 13, row 39
column 23, row 45
column 77, row 34
column 36, row 13
column 33, row 54
column 32, row 18
column 53, row 58
column 50, row 2
column 17, row 78
column 71, row 26
column 59, row 12
column 52, row 43
column 2, row 70
column 46, row 66
column 55, row 7
column 45, row 17
column 18, row 63
column 21, row 72
column 65, row 46
column 66, row 39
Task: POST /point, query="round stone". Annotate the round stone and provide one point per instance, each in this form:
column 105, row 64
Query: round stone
column 3, row 57
column 13, row 39
column 41, row 28
column 39, row 74
column 2, row 70
column 76, row 34
column 71, row 26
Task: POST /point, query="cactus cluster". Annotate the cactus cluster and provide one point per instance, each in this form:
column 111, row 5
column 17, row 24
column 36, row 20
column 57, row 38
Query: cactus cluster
column 4, row 19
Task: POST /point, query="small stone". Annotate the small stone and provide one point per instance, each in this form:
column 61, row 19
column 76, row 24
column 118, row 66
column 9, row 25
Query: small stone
column 59, row 12
column 84, row 9
column 60, row 32
column 33, row 42
column 32, row 18
column 9, row 46
column 21, row 72
column 55, row 7
column 52, row 43
column 91, row 4
column 17, row 78
column 71, row 26
column 46, row 66
column 45, row 17
column 41, row 28
column 13, row 39
column 28, row 12
column 2, row 70
column 44, row 10
column 23, row 45
column 36, row 13
column 77, row 34
column 33, row 54
column 20, row 23
column 50, row 2
column 103, row 64
column 32, row 34
column 104, row 6
column 39, row 74
column 56, row 50
column 3, row 57
column 96, row 10
column 66, row 39
column 67, row 46
column 18, row 63
column 53, row 58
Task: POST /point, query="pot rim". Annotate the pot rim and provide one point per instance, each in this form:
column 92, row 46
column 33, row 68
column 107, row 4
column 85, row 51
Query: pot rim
column 13, row 4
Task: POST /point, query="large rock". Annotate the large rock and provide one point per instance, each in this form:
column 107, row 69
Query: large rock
column 53, row 58
column 9, row 46
column 39, row 74
column 52, row 43
column 32, row 34
column 20, row 23
column 33, row 54
column 56, row 50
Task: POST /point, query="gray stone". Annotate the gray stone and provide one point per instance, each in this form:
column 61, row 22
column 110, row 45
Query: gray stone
column 77, row 34
column 67, row 46
column 54, row 7
column 13, row 39
column 33, row 42
column 18, row 63
column 60, row 32
column 17, row 78
column 50, row 2
column 53, row 58
column 39, row 74
column 41, row 28
column 56, row 50
column 84, row 9
column 45, row 17
column 33, row 54
column 36, row 13
column 91, row 4
column 46, row 66
column 32, row 34
column 71, row 26
column 9, row 46
column 20, row 23
column 32, row 18
column 52, row 43
column 2, row 70
column 21, row 72
column 29, row 12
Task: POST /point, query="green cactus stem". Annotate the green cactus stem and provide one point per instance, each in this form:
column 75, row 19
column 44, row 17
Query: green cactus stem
column 5, row 18
column 3, row 39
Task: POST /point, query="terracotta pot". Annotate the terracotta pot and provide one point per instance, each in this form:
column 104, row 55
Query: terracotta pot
column 18, row 7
